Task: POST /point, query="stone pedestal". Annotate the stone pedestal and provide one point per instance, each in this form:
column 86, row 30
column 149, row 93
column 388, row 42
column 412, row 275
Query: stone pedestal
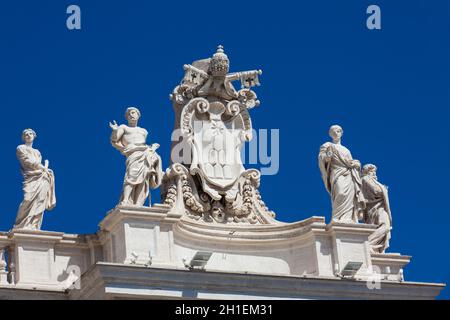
column 34, row 253
column 138, row 235
column 350, row 244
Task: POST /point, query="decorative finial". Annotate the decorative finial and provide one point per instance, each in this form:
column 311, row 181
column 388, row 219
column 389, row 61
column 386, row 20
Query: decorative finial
column 220, row 53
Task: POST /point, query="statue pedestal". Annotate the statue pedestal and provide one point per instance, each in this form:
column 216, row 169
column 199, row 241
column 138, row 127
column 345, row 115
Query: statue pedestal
column 350, row 244
column 34, row 257
column 138, row 235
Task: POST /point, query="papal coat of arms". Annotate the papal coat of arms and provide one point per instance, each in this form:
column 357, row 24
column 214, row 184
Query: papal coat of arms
column 208, row 181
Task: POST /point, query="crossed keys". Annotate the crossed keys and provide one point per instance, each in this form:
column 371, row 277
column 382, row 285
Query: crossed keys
column 249, row 78
column 194, row 75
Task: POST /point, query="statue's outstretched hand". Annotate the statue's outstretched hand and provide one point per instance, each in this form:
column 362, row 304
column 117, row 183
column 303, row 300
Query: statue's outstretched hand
column 114, row 125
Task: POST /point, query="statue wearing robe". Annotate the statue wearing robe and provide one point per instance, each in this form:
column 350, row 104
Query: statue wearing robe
column 143, row 165
column 143, row 171
column 342, row 180
column 378, row 212
column 38, row 188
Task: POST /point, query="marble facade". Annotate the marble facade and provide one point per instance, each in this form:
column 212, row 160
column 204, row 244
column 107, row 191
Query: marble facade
column 302, row 260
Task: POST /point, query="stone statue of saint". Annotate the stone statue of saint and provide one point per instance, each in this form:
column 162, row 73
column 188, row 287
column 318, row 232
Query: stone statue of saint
column 38, row 185
column 341, row 176
column 378, row 211
column 143, row 165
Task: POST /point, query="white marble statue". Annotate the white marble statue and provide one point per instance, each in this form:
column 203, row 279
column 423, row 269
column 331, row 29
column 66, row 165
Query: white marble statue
column 378, row 211
column 38, row 185
column 341, row 176
column 143, row 165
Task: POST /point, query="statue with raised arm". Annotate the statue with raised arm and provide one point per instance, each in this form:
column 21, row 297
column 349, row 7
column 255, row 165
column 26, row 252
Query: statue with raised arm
column 38, row 185
column 143, row 165
column 341, row 176
column 378, row 211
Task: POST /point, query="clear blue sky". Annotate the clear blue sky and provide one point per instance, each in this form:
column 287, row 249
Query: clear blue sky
column 389, row 89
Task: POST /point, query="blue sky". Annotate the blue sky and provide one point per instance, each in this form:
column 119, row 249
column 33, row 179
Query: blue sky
column 388, row 88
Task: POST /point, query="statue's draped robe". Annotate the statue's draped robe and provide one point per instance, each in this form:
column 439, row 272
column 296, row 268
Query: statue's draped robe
column 377, row 212
column 38, row 188
column 342, row 181
column 143, row 171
